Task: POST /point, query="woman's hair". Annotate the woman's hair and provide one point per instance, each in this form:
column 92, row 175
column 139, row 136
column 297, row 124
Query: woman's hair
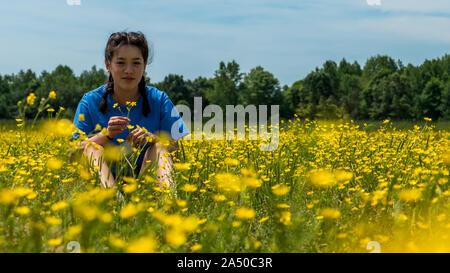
column 115, row 41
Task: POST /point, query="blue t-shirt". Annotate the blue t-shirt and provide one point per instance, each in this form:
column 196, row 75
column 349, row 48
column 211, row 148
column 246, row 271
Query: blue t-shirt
column 163, row 115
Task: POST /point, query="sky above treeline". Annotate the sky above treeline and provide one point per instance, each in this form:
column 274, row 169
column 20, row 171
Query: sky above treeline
column 289, row 38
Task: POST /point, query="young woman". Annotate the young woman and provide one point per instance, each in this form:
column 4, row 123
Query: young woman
column 126, row 56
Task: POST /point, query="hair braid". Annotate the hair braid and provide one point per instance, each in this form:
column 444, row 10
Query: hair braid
column 108, row 90
column 143, row 91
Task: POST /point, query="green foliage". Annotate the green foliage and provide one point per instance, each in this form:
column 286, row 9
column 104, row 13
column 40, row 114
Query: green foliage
column 382, row 89
column 260, row 88
column 227, row 84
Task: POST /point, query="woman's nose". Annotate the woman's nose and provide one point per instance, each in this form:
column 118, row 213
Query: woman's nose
column 128, row 68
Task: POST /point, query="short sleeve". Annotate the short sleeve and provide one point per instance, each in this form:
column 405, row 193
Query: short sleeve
column 171, row 121
column 82, row 120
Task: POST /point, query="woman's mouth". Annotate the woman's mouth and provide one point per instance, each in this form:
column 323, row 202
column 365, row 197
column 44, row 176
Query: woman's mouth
column 129, row 79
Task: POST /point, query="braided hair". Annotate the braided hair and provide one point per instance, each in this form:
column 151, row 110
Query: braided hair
column 116, row 40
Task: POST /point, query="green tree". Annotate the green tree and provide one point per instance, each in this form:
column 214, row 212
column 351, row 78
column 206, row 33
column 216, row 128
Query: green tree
column 21, row 85
column 200, row 87
column 444, row 108
column 227, row 84
column 260, row 88
column 92, row 79
column 430, row 99
column 5, row 103
column 291, row 99
column 350, row 85
column 66, row 85
column 378, row 67
column 177, row 89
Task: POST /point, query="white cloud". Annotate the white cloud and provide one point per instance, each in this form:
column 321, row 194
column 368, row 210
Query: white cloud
column 374, row 2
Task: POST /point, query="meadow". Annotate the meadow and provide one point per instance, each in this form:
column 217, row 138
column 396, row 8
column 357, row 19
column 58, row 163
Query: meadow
column 331, row 186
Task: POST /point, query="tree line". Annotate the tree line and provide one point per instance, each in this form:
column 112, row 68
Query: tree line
column 382, row 89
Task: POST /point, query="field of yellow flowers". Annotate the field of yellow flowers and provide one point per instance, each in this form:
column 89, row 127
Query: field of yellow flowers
column 329, row 187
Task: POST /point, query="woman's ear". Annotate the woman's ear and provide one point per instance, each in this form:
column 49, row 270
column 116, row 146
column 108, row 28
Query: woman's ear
column 107, row 65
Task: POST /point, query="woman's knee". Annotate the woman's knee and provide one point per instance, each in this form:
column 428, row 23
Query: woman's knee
column 155, row 150
column 92, row 148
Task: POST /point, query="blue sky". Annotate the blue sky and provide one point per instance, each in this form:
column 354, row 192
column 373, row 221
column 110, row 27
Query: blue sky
column 190, row 37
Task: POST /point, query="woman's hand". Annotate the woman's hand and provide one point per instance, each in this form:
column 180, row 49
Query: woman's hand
column 139, row 137
column 117, row 125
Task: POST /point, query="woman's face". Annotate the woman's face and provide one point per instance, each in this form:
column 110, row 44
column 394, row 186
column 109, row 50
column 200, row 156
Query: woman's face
column 127, row 67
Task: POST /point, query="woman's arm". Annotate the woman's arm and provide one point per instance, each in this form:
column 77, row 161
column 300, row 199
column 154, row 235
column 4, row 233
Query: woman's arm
column 173, row 146
column 99, row 139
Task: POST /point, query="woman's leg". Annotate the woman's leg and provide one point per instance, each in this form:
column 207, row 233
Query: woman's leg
column 94, row 154
column 159, row 154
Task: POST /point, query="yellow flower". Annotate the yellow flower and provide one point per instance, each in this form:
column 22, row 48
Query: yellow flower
column 231, row 161
column 113, row 153
column 189, row 187
column 52, row 95
column 73, row 231
column 283, row 206
column 128, row 211
column 54, row 163
column 427, row 119
column 196, row 247
column 446, row 157
column 81, row 117
column 386, row 121
column 144, row 244
column 175, row 237
column 23, row 210
column 116, row 242
column 329, row 213
column 402, row 217
column 410, row 195
column 342, row 175
column 285, row 218
column 229, row 183
column 245, row 213
column 219, row 197
column 50, row 110
column 250, row 179
column 130, row 187
column 21, row 191
column 31, row 98
column 53, row 221
column 280, row 189
column 236, row 223
column 262, row 220
column 181, row 203
column 7, row 197
column 87, row 212
column 182, row 166
column 59, row 205
column 105, row 217
column 321, row 178
column 55, row 242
